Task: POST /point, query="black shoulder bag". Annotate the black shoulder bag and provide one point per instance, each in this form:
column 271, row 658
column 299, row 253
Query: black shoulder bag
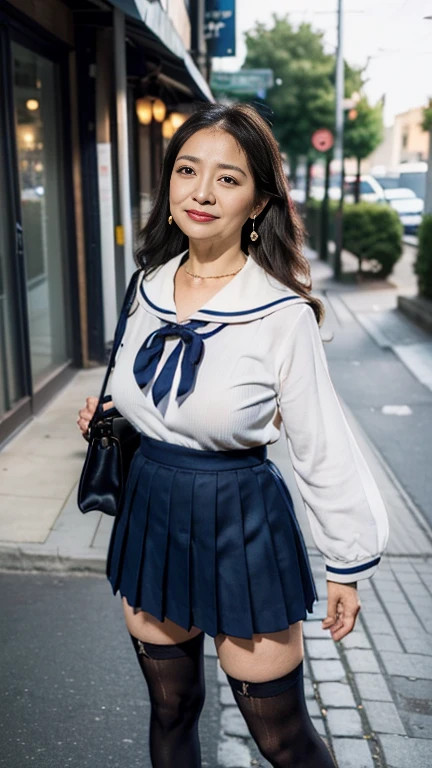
column 112, row 439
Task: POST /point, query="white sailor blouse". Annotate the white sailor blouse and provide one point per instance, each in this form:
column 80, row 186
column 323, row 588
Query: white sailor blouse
column 228, row 377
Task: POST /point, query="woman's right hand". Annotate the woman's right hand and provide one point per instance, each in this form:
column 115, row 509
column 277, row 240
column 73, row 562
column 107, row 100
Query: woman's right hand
column 86, row 414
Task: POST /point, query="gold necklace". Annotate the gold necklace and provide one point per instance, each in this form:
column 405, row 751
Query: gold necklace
column 213, row 277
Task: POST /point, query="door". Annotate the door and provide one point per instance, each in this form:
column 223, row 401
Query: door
column 14, row 364
column 35, row 253
column 37, row 116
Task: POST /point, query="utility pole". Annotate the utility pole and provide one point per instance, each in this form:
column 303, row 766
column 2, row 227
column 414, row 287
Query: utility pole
column 338, row 153
column 428, row 201
column 323, row 239
column 124, row 233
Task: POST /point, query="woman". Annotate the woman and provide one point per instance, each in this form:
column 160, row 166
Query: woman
column 221, row 347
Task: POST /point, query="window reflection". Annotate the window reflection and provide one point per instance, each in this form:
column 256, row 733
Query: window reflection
column 40, row 174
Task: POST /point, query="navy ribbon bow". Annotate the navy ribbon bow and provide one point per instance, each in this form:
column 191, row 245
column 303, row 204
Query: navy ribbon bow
column 150, row 353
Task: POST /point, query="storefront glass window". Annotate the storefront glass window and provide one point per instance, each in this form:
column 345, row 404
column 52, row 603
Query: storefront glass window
column 11, row 380
column 37, row 115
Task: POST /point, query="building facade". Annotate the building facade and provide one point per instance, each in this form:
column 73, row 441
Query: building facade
column 412, row 142
column 79, row 160
column 404, row 142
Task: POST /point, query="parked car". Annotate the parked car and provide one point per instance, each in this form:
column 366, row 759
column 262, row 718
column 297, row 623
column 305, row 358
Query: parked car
column 408, row 206
column 406, row 175
column 389, row 181
column 370, row 190
column 413, row 176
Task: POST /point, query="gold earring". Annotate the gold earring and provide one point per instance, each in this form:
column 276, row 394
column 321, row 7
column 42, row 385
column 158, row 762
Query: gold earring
column 170, row 219
column 254, row 235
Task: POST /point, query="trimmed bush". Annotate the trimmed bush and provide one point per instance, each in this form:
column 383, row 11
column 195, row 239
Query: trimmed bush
column 423, row 264
column 373, row 232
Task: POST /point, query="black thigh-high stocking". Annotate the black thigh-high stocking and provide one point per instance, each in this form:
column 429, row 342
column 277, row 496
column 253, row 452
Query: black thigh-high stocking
column 278, row 720
column 175, row 679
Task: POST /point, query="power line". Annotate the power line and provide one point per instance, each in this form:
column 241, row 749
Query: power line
column 316, row 11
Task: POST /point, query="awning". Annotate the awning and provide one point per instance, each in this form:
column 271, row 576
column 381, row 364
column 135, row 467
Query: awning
column 149, row 19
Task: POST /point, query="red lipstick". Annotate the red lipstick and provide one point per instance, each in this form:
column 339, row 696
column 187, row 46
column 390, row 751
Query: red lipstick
column 200, row 216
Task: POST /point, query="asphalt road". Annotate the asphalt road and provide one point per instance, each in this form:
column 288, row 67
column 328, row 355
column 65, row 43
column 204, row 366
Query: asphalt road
column 368, row 378
column 72, row 694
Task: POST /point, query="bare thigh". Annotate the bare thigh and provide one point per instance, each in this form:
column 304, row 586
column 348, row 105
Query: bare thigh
column 263, row 657
column 147, row 628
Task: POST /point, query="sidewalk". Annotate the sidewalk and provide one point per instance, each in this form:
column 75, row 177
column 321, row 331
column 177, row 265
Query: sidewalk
column 370, row 694
column 374, row 305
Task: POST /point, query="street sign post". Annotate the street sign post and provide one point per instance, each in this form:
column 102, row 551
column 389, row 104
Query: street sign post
column 322, row 140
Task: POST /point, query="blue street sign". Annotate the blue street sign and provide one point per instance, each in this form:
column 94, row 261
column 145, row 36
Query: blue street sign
column 219, row 27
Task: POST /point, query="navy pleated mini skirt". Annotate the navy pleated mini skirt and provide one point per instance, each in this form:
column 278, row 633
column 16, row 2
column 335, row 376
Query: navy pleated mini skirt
column 210, row 539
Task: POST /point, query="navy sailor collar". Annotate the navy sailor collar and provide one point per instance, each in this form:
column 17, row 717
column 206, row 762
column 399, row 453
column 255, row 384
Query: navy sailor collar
column 251, row 294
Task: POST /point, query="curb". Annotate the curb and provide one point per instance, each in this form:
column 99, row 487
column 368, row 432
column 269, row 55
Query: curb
column 418, row 310
column 20, row 558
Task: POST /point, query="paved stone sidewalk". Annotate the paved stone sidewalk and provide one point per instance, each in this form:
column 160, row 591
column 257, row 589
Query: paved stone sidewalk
column 370, row 694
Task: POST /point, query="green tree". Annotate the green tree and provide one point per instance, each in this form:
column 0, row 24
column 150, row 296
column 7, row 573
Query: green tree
column 354, row 79
column 427, row 126
column 304, row 101
column 362, row 134
column 427, row 117
column 305, row 98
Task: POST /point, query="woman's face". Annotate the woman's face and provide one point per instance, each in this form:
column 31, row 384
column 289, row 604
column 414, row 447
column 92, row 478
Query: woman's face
column 212, row 191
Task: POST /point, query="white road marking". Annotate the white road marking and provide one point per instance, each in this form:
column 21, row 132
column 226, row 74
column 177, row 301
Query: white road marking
column 396, row 410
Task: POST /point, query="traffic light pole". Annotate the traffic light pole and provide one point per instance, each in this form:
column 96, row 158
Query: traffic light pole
column 338, row 145
column 323, row 238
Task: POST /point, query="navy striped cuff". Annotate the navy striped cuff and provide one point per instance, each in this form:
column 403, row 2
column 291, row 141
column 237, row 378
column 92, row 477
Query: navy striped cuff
column 352, row 572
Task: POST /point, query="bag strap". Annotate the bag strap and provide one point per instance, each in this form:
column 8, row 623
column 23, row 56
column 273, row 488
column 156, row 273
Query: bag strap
column 118, row 335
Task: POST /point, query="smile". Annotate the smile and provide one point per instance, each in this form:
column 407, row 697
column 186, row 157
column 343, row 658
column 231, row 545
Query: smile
column 200, row 216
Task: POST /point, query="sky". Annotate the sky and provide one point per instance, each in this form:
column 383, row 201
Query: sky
column 391, row 36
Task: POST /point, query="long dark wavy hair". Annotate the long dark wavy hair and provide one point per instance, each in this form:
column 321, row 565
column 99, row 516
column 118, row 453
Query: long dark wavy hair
column 278, row 249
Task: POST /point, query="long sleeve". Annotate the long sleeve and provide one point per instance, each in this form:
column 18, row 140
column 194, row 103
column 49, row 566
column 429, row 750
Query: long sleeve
column 346, row 512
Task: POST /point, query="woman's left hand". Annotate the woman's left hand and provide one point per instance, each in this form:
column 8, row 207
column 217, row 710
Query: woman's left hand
column 343, row 606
